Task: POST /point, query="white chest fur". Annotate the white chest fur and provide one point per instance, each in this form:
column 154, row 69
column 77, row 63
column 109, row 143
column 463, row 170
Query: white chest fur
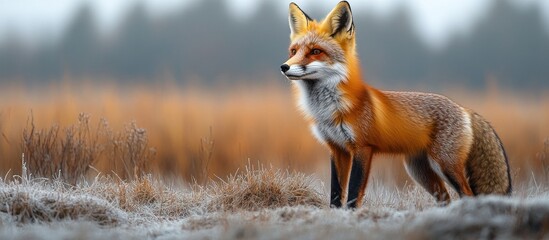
column 321, row 101
column 340, row 134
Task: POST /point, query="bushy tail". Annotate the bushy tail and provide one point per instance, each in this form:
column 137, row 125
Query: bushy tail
column 487, row 164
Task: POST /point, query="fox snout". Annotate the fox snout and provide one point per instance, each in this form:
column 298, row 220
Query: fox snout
column 315, row 70
column 284, row 68
column 299, row 72
column 293, row 71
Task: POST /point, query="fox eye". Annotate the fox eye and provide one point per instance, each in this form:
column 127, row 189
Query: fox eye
column 293, row 51
column 316, row 51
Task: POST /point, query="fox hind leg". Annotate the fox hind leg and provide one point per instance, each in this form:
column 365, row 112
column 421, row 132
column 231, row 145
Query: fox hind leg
column 454, row 174
column 419, row 168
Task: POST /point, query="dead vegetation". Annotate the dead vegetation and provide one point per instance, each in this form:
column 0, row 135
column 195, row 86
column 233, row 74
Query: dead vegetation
column 262, row 188
column 70, row 153
column 543, row 157
column 147, row 208
column 103, row 180
column 130, row 148
column 26, row 200
column 201, row 133
column 259, row 201
column 106, row 200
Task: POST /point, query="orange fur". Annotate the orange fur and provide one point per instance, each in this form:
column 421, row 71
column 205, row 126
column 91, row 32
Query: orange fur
column 357, row 121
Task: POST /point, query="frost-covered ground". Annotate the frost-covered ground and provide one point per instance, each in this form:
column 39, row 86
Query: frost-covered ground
column 261, row 203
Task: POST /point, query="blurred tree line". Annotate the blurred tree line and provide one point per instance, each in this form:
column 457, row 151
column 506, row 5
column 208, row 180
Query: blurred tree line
column 509, row 44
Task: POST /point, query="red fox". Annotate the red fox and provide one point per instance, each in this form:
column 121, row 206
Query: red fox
column 442, row 141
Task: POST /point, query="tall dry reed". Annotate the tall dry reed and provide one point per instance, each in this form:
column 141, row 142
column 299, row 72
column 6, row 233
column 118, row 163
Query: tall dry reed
column 200, row 133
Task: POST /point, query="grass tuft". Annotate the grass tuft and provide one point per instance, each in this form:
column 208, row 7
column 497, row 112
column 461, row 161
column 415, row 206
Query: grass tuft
column 144, row 192
column 264, row 188
column 28, row 204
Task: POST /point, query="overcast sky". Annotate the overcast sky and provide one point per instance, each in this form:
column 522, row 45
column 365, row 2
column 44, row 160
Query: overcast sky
column 435, row 19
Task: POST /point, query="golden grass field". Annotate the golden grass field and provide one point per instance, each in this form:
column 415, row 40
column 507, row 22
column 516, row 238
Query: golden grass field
column 259, row 173
column 200, row 132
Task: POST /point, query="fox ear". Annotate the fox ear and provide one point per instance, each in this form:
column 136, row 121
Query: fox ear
column 340, row 20
column 298, row 20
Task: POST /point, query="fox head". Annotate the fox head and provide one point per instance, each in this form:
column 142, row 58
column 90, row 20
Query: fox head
column 323, row 51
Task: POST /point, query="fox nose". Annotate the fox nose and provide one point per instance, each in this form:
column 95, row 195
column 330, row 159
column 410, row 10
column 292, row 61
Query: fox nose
column 285, row 67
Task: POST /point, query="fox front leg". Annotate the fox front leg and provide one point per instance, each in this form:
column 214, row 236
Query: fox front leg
column 335, row 188
column 362, row 160
column 355, row 184
column 341, row 172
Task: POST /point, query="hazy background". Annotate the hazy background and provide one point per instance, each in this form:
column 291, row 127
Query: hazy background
column 199, row 83
column 190, row 91
column 401, row 43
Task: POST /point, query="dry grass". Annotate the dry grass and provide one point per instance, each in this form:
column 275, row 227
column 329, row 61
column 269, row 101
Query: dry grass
column 197, row 134
column 210, row 134
column 543, row 158
column 129, row 148
column 249, row 205
column 202, row 133
column 106, row 200
column 70, row 154
column 262, row 188
column 27, row 200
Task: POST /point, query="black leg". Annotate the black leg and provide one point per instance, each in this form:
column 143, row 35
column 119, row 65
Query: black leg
column 335, row 192
column 355, row 182
column 354, row 185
